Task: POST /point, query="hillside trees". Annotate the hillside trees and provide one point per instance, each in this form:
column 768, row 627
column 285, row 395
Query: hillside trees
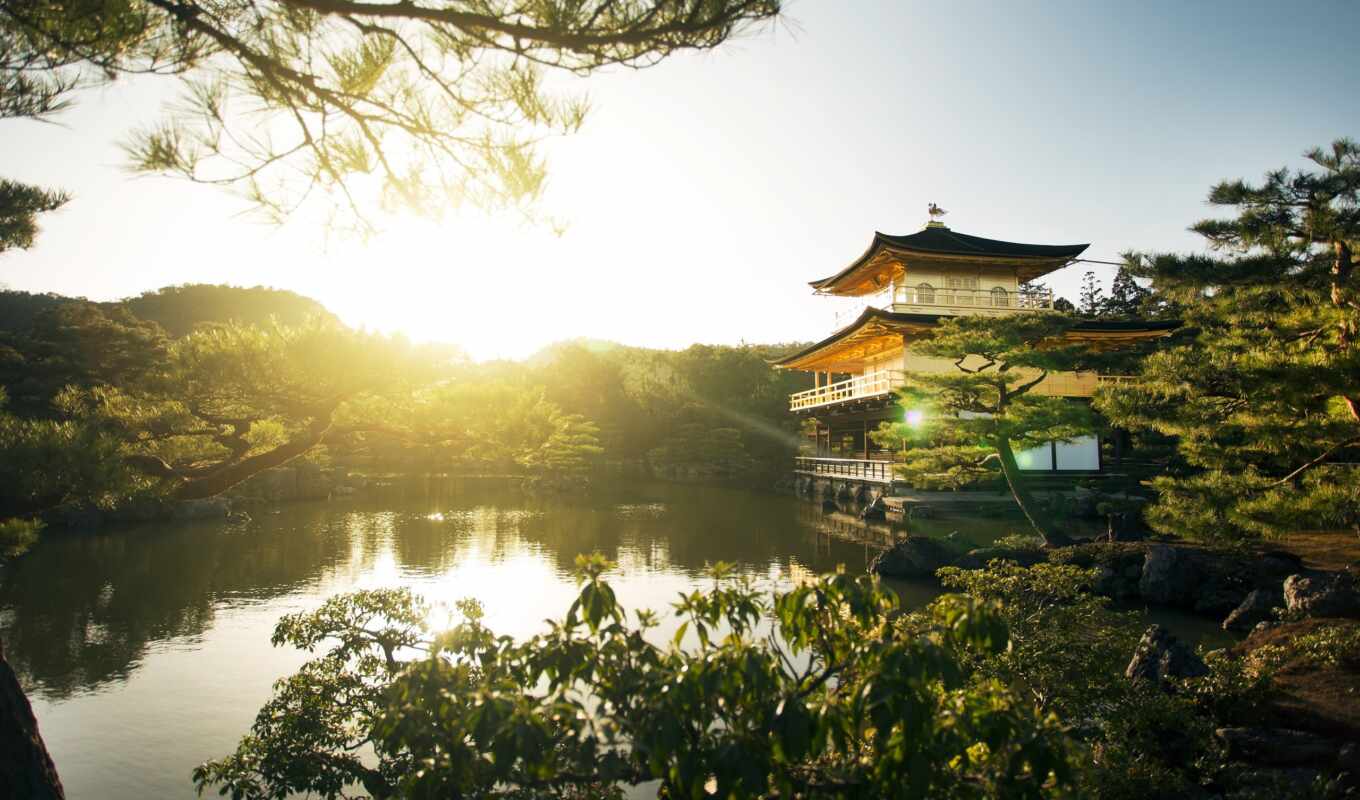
column 225, row 403
column 1263, row 392
column 368, row 104
column 966, row 424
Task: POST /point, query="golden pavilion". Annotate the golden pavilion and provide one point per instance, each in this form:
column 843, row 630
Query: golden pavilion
column 903, row 286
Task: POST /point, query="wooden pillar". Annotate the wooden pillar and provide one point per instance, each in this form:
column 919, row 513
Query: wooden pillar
column 865, row 424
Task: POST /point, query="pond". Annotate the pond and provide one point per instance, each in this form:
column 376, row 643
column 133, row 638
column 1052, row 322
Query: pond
column 145, row 651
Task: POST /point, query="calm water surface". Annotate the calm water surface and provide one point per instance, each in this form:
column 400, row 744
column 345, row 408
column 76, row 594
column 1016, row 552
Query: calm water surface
column 146, row 651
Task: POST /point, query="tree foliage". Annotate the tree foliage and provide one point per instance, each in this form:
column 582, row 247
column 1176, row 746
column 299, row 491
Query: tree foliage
column 812, row 692
column 20, row 205
column 1092, row 297
column 368, row 103
column 1263, row 391
column 1127, row 297
column 963, row 425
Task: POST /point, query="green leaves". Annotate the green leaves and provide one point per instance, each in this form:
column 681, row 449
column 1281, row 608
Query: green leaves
column 814, row 692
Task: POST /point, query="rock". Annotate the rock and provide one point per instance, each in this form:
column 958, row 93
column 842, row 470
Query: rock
column 913, row 557
column 1168, row 578
column 1279, row 747
column 1322, row 596
column 1255, row 609
column 1160, row 656
column 238, row 516
column 1114, row 585
column 202, row 509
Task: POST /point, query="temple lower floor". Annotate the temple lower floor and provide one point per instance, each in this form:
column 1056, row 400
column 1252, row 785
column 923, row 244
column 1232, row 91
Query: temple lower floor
column 847, row 435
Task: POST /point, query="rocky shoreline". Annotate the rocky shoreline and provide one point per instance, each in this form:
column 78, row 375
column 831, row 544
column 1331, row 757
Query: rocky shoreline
column 1309, row 730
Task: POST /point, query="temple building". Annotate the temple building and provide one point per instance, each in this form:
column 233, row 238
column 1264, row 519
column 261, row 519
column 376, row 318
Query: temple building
column 901, row 287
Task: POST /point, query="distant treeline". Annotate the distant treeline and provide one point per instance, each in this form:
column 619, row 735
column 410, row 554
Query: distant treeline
column 703, row 413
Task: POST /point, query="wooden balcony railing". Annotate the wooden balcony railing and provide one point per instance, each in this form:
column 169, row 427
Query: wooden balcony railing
column 937, row 299
column 852, row 468
column 1058, row 384
column 1000, row 299
column 872, row 385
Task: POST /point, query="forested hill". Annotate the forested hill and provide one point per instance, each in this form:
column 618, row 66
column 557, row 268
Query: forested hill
column 176, row 309
column 708, row 412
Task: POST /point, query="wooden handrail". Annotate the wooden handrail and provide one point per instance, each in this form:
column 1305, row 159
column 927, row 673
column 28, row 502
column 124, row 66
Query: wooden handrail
column 871, row 385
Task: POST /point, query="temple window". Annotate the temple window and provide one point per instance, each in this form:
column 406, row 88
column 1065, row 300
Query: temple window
column 925, row 294
column 1000, row 298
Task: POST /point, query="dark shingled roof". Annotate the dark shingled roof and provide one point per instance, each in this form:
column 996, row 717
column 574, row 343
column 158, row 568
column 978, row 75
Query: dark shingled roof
column 1085, row 326
column 942, row 240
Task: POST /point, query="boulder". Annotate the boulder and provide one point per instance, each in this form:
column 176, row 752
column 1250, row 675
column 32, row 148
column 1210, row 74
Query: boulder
column 1161, row 656
column 1168, row 577
column 1322, row 596
column 1118, row 586
column 913, row 557
column 1280, row 747
column 1256, row 608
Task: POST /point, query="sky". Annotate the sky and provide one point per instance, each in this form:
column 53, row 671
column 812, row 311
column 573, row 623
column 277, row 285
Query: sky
column 702, row 194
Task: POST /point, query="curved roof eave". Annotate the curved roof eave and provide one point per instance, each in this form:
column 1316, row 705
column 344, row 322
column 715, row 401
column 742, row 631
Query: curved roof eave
column 945, row 242
column 1083, row 326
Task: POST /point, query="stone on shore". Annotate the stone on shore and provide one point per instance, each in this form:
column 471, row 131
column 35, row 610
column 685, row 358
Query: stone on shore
column 913, row 557
column 1160, row 656
column 1258, row 607
column 1168, row 577
column 1322, row 596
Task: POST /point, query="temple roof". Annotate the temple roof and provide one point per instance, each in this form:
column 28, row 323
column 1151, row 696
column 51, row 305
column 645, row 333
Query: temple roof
column 875, row 331
column 938, row 243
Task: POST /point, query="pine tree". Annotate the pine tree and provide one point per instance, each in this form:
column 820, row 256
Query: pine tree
column 1126, row 298
column 962, row 427
column 438, row 103
column 1091, row 295
column 570, row 449
column 1263, row 389
column 20, row 204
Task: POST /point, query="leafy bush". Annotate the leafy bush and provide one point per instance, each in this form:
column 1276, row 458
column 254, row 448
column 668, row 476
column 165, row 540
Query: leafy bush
column 810, row 693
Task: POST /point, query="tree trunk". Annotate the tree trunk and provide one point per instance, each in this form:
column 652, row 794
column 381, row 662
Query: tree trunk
column 222, row 480
column 26, row 770
column 1342, row 268
column 1028, row 506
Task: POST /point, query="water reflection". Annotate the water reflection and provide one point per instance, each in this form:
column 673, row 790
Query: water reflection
column 80, row 611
